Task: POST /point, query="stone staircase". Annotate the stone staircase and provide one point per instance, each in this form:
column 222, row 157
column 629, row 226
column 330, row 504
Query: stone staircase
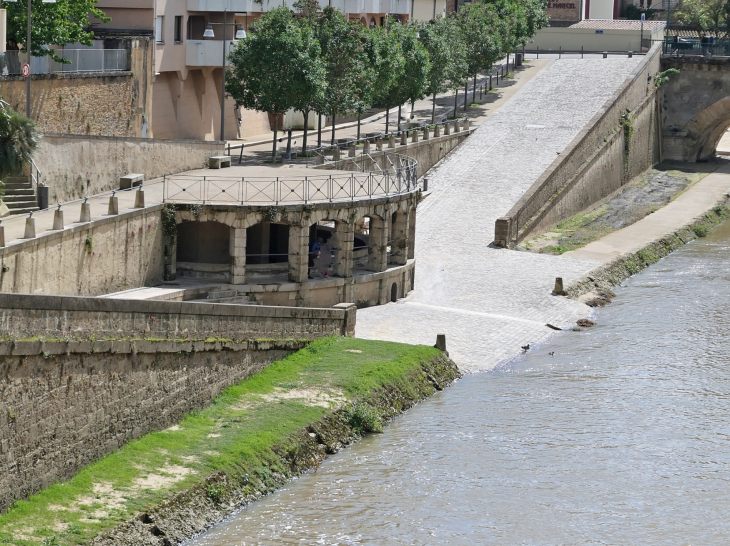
column 20, row 195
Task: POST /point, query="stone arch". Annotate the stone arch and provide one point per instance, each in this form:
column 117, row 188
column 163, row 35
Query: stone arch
column 371, row 229
column 337, row 245
column 412, row 233
column 267, row 243
column 706, row 129
column 398, row 238
column 203, row 249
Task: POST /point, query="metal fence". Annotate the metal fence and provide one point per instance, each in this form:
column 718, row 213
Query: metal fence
column 80, row 60
column 400, row 179
column 696, row 48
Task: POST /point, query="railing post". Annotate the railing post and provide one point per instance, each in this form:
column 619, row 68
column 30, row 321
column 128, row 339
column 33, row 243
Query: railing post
column 277, row 190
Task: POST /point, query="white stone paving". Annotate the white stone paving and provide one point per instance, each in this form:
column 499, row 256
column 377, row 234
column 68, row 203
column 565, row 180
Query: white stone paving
column 488, row 301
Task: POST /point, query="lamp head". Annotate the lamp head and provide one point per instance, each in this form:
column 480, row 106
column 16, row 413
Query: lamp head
column 208, row 32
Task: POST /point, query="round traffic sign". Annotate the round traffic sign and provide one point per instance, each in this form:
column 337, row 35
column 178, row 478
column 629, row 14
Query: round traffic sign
column 26, row 70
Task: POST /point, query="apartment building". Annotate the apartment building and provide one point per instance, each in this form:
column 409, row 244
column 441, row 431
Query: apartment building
column 190, row 38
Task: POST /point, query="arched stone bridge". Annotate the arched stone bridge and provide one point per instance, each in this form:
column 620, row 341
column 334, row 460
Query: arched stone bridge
column 695, row 106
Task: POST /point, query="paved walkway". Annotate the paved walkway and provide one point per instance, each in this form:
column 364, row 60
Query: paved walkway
column 694, row 202
column 489, row 302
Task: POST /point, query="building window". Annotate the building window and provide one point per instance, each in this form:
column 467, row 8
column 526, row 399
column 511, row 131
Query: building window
column 158, row 30
column 178, row 29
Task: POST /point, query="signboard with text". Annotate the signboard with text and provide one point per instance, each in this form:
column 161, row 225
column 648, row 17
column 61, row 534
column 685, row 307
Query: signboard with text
column 563, row 11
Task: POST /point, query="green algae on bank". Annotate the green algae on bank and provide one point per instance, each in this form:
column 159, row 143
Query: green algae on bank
column 171, row 484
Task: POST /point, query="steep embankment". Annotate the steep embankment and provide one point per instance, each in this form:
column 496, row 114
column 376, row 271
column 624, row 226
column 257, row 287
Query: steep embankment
column 170, row 485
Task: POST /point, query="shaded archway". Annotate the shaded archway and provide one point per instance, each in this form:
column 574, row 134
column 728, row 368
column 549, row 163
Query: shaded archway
column 267, row 243
column 398, row 239
column 707, row 128
column 203, row 249
column 370, row 249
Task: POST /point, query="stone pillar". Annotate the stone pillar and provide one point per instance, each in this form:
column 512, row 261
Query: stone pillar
column 378, row 243
column 85, row 215
column 298, row 253
column 58, row 219
column 237, row 251
column 366, row 147
column 414, row 136
column 456, row 126
column 379, row 144
column 113, row 205
column 437, row 131
column 466, row 125
column 336, row 154
column 139, row 199
column 399, row 239
column 412, row 233
column 425, row 133
column 343, row 241
column 404, row 138
column 391, row 141
column 447, row 129
column 29, row 228
column 352, row 151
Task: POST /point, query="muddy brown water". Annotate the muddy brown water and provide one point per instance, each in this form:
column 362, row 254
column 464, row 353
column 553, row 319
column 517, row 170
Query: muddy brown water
column 622, row 437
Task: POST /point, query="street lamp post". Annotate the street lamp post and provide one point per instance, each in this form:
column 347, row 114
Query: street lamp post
column 240, row 34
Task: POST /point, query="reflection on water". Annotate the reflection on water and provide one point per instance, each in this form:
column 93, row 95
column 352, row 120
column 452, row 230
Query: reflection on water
column 623, row 437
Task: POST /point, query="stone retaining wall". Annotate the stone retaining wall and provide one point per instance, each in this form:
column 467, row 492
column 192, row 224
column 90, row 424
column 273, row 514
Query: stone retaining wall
column 594, row 164
column 66, row 404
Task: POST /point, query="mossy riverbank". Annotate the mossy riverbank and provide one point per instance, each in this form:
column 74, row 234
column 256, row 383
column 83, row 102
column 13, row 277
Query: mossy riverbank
column 172, row 484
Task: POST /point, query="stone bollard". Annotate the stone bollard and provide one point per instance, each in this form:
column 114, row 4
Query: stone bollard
column 29, row 228
column 379, row 144
column 437, row 131
column 456, row 126
column 366, row 147
column 2, row 236
column 447, row 129
column 558, row 290
column 466, row 125
column 85, row 215
column 404, row 138
column 336, row 154
column 58, row 220
column 414, row 136
column 113, row 205
column 352, row 151
column 425, row 133
column 139, row 199
column 391, row 141
column 441, row 343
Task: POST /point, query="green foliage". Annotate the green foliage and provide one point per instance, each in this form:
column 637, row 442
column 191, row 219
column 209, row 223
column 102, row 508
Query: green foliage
column 627, row 123
column 89, row 244
column 19, row 139
column 61, row 23
column 169, row 223
column 364, row 418
column 706, row 15
column 663, row 77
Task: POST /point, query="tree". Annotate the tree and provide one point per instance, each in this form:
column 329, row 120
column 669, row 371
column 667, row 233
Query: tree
column 275, row 67
column 458, row 70
column 483, row 32
column 416, row 64
column 64, row 22
column 389, row 68
column 434, row 35
column 18, row 140
column 313, row 93
column 706, row 15
column 345, row 58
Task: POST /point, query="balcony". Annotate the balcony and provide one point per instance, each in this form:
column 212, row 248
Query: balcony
column 233, row 6
column 206, row 52
column 399, row 6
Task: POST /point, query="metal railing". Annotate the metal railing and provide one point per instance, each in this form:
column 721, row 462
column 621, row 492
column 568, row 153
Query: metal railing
column 80, row 60
column 695, row 48
column 401, row 178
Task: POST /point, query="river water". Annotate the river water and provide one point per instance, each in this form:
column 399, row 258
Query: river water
column 621, row 437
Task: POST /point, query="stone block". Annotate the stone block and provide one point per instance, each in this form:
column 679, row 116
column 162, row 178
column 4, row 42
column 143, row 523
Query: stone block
column 129, row 181
column 219, row 162
column 58, row 220
column 85, row 215
column 139, row 199
column 113, row 205
column 29, row 228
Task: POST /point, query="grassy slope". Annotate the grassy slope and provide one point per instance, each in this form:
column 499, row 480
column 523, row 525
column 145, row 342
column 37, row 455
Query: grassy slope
column 237, row 432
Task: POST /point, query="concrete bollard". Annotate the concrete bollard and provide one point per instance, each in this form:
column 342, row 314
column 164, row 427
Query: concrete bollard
column 631, row 54
column 425, row 133
column 404, row 138
column 447, row 129
column 558, row 290
column 352, row 151
column 113, row 205
column 391, row 141
column 414, row 136
column 29, row 228
column 139, row 199
column 366, row 147
column 456, row 126
column 2, row 236
column 379, row 144
column 425, row 184
column 336, row 154
column 85, row 215
column 437, row 131
column 466, row 125
column 58, row 220
column 441, row 343
column 605, row 54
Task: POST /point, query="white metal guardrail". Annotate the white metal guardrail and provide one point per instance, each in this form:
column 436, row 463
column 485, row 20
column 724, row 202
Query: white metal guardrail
column 80, row 60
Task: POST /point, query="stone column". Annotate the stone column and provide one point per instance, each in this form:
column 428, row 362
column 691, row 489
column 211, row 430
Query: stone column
column 378, row 243
column 412, row 233
column 298, row 253
column 343, row 241
column 238, row 255
column 399, row 239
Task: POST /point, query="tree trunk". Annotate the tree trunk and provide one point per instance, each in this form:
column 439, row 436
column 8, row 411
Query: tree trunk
column 358, row 125
column 466, row 93
column 474, row 91
column 319, row 129
column 276, row 129
column 413, row 105
column 305, row 113
column 456, row 101
column 334, row 122
column 433, row 109
column 399, row 107
column 387, row 118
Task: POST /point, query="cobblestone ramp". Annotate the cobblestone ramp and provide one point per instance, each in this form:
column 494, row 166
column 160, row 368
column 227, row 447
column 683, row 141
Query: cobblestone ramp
column 488, row 301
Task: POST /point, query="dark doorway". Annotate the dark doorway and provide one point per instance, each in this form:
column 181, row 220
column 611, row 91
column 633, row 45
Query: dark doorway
column 394, row 292
column 203, row 242
column 267, row 243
